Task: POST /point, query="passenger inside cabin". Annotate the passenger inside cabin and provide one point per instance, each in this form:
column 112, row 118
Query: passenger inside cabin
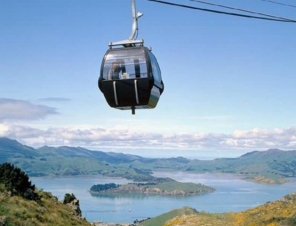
column 114, row 71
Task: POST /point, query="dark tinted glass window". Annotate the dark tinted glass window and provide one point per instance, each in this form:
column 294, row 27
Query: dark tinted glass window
column 155, row 68
column 132, row 63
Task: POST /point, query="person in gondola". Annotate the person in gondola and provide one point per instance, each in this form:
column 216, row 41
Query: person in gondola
column 114, row 71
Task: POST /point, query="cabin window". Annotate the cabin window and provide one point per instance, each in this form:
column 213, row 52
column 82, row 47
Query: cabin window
column 131, row 63
column 155, row 68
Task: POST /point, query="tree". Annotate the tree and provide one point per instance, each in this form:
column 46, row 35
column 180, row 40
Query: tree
column 103, row 187
column 16, row 181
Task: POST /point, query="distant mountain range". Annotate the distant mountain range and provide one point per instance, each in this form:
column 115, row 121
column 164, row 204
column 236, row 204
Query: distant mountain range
column 271, row 166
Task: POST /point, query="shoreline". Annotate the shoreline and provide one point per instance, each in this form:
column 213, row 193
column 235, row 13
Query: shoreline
column 258, row 179
column 109, row 224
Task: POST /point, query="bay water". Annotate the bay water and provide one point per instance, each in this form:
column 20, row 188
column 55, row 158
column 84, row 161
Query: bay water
column 232, row 195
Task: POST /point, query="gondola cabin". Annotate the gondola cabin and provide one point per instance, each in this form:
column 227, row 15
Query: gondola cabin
column 130, row 78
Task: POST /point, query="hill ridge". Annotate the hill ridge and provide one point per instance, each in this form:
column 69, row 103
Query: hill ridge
column 271, row 166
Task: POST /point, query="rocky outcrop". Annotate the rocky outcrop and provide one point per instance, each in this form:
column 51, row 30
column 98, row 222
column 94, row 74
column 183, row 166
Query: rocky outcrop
column 75, row 207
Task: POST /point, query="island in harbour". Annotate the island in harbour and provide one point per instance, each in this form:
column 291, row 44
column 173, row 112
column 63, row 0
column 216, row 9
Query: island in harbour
column 155, row 186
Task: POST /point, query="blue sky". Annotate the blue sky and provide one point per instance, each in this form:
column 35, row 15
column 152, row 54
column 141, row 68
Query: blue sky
column 229, row 81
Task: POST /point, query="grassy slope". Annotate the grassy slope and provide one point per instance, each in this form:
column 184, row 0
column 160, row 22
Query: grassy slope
column 160, row 220
column 20, row 212
column 278, row 213
column 186, row 187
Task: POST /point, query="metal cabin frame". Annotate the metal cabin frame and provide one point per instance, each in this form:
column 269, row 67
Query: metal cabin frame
column 131, row 40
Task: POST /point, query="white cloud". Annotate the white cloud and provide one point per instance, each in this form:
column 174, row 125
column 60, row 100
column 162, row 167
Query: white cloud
column 11, row 109
column 54, row 99
column 19, row 132
column 96, row 138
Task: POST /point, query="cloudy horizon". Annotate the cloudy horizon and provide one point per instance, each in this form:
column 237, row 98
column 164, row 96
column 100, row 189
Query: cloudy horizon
column 15, row 115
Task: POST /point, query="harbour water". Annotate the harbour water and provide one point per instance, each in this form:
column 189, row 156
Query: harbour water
column 232, row 194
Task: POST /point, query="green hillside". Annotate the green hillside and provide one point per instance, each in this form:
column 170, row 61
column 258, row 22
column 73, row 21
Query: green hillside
column 67, row 161
column 277, row 213
column 11, row 149
column 24, row 205
column 17, row 211
column 163, row 218
column 269, row 167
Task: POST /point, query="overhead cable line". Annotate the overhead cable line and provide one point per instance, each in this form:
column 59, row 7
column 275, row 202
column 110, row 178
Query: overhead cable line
column 279, row 3
column 222, row 12
column 244, row 10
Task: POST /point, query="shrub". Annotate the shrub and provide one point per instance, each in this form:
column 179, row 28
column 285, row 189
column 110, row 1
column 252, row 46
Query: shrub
column 69, row 198
column 16, row 181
